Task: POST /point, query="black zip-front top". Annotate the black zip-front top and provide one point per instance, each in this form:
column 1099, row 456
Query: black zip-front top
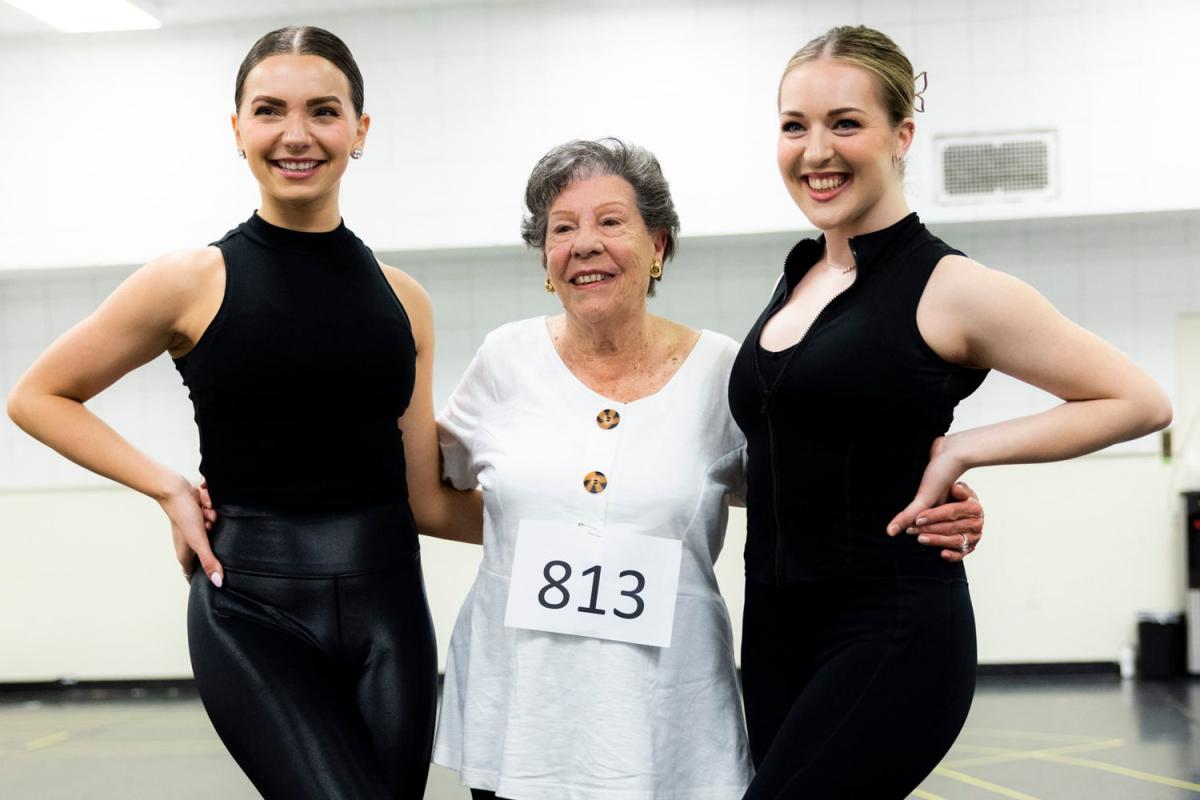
column 299, row 380
column 839, row 435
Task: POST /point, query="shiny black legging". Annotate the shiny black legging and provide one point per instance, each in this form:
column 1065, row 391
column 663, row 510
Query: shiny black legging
column 854, row 689
column 316, row 661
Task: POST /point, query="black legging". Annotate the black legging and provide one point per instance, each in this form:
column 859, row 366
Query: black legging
column 316, row 661
column 854, row 689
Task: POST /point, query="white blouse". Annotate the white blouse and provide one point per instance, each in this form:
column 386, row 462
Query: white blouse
column 534, row 715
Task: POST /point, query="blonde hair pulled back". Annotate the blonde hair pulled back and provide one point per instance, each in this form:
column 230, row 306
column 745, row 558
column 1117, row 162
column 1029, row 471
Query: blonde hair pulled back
column 873, row 51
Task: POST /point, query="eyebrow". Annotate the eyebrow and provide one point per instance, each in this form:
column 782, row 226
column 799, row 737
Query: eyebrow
column 832, row 113
column 316, row 101
column 607, row 205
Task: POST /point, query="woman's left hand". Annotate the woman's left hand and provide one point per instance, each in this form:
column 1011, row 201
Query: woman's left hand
column 958, row 526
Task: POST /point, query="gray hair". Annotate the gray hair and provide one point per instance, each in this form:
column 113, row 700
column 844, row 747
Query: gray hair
column 585, row 159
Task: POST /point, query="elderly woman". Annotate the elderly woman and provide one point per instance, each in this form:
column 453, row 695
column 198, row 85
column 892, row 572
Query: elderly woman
column 593, row 656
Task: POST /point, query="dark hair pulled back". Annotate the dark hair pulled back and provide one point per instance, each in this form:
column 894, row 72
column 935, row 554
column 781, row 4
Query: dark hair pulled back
column 305, row 40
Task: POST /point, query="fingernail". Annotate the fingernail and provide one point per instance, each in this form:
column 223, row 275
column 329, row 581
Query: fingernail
column 910, row 530
column 921, row 520
column 923, row 539
column 216, row 579
column 893, row 530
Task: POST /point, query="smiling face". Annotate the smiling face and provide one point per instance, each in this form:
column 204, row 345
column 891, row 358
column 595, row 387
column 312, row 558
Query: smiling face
column 598, row 250
column 297, row 127
column 837, row 147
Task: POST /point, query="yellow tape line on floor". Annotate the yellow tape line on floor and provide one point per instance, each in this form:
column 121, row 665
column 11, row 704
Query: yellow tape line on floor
column 1000, row 755
column 47, row 741
column 1125, row 771
column 979, row 783
column 921, row 794
column 1004, row 733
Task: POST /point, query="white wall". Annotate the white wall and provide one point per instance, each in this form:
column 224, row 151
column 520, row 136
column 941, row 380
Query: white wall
column 120, row 150
column 119, row 145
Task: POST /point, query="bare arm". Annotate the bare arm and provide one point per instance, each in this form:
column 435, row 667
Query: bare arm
column 145, row 316
column 439, row 509
column 980, row 317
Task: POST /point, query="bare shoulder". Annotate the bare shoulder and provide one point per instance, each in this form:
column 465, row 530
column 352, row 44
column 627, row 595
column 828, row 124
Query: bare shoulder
column 168, row 286
column 968, row 308
column 959, row 274
column 412, row 296
column 183, row 270
column 963, row 289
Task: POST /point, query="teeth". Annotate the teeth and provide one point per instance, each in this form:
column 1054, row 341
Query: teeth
column 590, row 278
column 825, row 184
column 298, row 166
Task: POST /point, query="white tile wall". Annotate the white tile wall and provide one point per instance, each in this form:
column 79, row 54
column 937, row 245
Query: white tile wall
column 1126, row 278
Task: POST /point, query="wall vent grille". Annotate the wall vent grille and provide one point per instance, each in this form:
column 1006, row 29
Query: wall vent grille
column 1005, row 167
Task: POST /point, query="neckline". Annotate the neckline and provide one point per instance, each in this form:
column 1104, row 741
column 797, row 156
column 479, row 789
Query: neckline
column 868, row 249
column 775, row 355
column 293, row 241
column 561, row 366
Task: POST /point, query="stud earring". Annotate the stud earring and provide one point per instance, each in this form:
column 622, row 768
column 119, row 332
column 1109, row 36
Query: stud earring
column 241, row 153
column 656, row 269
column 356, row 153
column 549, row 286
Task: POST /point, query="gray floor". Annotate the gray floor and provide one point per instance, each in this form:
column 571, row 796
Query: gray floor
column 1027, row 739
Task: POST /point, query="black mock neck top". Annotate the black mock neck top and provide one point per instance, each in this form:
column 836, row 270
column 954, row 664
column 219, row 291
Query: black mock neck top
column 839, row 427
column 300, row 379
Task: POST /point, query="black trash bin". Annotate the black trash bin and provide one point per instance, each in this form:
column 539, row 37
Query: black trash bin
column 1162, row 645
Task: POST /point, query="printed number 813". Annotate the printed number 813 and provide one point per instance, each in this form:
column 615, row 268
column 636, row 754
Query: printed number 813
column 554, row 594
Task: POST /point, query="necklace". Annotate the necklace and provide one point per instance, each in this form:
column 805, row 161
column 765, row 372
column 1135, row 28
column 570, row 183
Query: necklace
column 840, row 268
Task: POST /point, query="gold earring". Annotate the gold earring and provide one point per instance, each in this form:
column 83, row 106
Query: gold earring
column 549, row 286
column 656, row 269
column 896, row 161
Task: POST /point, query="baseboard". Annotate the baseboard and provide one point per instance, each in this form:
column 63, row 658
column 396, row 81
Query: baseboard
column 171, row 688
column 1051, row 669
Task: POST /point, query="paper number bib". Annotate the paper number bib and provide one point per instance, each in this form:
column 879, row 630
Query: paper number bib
column 613, row 584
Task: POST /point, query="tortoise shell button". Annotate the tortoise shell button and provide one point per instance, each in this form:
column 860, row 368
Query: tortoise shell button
column 608, row 419
column 595, row 482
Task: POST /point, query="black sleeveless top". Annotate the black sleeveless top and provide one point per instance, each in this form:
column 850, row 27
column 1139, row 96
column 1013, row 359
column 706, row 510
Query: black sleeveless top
column 299, row 380
column 839, row 427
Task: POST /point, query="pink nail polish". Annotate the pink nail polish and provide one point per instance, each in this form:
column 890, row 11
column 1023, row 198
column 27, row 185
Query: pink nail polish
column 216, row 579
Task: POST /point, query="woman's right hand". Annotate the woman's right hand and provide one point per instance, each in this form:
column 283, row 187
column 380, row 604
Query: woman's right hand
column 183, row 507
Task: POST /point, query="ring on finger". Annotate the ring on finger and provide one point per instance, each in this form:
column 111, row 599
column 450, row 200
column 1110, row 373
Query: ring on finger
column 965, row 547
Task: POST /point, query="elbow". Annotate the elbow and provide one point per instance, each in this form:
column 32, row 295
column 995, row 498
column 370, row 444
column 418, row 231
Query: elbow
column 1154, row 412
column 1160, row 414
column 18, row 408
column 426, row 515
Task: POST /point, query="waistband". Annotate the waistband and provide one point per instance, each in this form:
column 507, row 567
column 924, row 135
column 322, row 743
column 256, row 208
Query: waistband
column 314, row 543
